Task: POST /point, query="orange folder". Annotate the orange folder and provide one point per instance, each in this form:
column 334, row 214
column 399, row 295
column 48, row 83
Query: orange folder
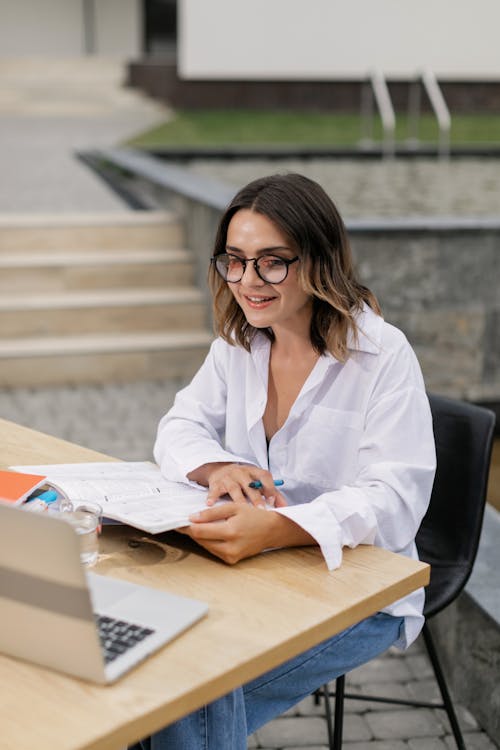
column 15, row 486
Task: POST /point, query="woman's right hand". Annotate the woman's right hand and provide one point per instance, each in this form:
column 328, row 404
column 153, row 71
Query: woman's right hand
column 234, row 480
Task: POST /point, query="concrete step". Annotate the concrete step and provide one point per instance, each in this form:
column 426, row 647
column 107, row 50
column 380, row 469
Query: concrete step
column 100, row 358
column 44, row 71
column 22, row 272
column 78, row 87
column 97, row 298
column 101, row 311
column 76, row 232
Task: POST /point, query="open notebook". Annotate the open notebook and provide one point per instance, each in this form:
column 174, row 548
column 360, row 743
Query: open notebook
column 56, row 614
column 133, row 492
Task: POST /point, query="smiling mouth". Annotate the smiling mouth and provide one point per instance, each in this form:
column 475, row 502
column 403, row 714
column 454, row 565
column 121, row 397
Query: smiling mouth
column 258, row 300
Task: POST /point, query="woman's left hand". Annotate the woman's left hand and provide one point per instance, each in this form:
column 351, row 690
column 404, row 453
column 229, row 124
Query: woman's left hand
column 234, row 531
column 231, row 531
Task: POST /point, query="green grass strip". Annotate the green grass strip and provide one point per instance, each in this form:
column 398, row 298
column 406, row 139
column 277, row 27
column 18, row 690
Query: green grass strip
column 267, row 128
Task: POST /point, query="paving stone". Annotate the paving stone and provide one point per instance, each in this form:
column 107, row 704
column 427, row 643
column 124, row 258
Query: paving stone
column 290, row 732
column 293, row 731
column 427, row 743
column 414, row 723
column 376, row 745
column 385, row 690
column 473, row 741
column 308, row 707
column 351, row 706
column 120, row 420
column 356, row 729
column 424, row 690
column 466, row 720
column 380, row 670
column 291, row 712
column 420, row 665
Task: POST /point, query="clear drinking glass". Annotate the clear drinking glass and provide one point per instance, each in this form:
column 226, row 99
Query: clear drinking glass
column 86, row 519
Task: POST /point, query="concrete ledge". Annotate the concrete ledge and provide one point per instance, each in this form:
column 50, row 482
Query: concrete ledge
column 209, row 192
column 481, row 586
column 468, row 634
column 363, row 151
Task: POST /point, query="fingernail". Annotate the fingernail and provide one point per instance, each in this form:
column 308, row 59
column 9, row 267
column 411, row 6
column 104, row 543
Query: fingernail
column 260, row 506
column 195, row 516
column 271, row 500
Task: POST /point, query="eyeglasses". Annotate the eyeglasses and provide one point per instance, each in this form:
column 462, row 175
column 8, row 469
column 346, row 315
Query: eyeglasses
column 269, row 268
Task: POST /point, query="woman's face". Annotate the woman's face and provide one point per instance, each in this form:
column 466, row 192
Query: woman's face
column 277, row 306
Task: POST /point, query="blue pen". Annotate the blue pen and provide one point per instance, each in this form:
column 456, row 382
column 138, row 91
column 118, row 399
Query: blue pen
column 48, row 496
column 256, row 484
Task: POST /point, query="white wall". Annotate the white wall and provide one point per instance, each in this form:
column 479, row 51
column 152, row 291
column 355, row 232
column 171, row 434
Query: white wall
column 119, row 27
column 40, row 27
column 318, row 39
column 55, row 28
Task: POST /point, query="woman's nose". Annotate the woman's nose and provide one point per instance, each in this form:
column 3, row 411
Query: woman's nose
column 250, row 275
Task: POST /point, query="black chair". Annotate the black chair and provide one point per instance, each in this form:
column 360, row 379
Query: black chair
column 448, row 537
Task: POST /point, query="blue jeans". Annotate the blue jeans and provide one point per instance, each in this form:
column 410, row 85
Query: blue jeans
column 225, row 723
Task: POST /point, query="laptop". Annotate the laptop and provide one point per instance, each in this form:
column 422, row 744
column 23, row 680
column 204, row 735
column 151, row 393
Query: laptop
column 57, row 614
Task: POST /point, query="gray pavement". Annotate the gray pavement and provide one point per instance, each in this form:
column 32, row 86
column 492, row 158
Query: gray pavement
column 47, row 110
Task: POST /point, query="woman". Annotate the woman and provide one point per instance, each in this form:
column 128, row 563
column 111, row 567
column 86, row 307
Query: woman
column 307, row 384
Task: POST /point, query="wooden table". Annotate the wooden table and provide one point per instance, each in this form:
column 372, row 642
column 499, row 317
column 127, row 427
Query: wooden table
column 262, row 611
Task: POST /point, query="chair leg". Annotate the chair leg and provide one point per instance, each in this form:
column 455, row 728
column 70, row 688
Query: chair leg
column 339, row 713
column 328, row 713
column 335, row 725
column 445, row 695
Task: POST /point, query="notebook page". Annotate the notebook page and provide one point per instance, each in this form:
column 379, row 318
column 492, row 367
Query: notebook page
column 133, row 492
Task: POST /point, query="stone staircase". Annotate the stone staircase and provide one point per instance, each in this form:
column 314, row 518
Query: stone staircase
column 97, row 298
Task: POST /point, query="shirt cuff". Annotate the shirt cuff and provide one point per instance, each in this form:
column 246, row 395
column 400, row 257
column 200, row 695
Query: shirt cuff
column 311, row 518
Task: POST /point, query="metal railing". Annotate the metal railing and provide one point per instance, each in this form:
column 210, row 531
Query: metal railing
column 376, row 92
column 427, row 80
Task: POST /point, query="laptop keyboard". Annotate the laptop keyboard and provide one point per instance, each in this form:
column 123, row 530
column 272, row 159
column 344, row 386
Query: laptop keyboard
column 118, row 636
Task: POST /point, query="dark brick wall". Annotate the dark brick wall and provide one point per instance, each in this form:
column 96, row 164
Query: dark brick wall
column 160, row 80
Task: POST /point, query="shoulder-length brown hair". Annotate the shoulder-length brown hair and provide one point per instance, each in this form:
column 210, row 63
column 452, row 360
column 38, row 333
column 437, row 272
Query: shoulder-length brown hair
column 308, row 217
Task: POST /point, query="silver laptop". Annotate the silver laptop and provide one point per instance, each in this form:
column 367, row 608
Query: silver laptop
column 55, row 613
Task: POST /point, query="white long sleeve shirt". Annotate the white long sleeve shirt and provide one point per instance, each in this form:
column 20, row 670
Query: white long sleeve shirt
column 356, row 451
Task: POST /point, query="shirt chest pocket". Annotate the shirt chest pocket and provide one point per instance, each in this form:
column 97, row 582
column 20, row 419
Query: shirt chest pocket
column 325, row 446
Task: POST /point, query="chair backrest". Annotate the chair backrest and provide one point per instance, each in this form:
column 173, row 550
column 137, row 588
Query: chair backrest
column 448, row 537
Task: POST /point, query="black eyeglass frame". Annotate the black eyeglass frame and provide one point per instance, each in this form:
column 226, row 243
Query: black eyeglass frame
column 287, row 261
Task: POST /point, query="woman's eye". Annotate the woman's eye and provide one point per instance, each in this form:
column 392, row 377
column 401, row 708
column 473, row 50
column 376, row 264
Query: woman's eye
column 272, row 262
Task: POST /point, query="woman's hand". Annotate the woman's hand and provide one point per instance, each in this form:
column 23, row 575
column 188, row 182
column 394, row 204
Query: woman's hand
column 234, row 480
column 234, row 531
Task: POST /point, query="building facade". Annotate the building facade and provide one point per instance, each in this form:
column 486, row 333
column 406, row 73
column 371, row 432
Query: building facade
column 266, row 39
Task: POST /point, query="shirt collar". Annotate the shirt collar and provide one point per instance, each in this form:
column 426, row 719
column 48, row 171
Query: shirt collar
column 369, row 336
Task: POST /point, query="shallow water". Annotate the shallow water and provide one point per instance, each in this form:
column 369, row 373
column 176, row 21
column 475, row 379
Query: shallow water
column 371, row 188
